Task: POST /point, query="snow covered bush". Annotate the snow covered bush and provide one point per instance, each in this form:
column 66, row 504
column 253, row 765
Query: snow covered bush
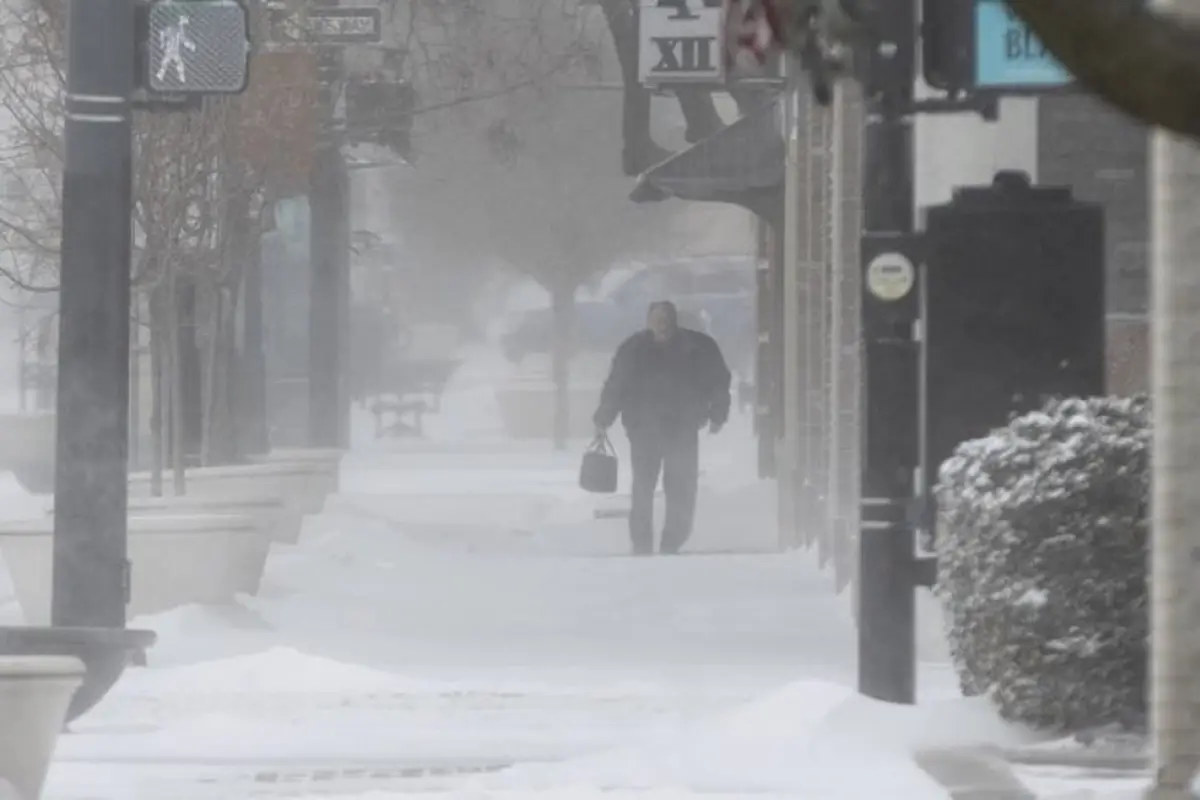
column 1042, row 555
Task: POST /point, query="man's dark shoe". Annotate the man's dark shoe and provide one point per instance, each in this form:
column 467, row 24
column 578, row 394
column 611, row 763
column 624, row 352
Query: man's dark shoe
column 643, row 550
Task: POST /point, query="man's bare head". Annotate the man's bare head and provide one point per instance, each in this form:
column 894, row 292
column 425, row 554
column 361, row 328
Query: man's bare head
column 662, row 320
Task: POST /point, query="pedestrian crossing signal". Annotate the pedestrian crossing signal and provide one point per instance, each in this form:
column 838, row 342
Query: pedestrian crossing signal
column 196, row 46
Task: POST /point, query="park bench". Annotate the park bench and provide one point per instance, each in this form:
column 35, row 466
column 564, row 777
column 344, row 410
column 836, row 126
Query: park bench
column 408, row 390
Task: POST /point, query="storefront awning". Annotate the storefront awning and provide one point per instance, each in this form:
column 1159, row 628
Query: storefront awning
column 742, row 164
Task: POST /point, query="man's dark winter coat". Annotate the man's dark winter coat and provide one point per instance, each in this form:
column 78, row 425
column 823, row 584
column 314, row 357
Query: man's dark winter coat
column 677, row 385
column 665, row 392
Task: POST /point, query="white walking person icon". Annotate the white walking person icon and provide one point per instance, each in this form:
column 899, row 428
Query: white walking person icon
column 173, row 42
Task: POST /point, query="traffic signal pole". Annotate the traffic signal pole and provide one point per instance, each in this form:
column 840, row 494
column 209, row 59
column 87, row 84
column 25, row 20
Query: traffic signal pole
column 329, row 254
column 91, row 571
column 887, row 558
column 887, row 616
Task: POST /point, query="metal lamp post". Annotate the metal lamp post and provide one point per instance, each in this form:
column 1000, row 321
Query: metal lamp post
column 177, row 50
column 91, row 573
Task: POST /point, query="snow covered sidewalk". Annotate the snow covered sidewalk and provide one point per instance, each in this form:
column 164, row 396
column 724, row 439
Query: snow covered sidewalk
column 375, row 659
column 458, row 625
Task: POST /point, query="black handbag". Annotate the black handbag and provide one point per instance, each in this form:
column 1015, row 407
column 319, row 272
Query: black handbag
column 598, row 472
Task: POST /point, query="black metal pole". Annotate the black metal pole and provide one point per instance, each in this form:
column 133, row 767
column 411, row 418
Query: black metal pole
column 90, row 566
column 887, row 615
column 329, row 253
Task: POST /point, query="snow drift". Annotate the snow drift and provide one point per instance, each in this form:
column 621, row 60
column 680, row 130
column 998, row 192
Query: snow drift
column 810, row 738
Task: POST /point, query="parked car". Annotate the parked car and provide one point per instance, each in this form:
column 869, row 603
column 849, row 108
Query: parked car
column 533, row 331
column 713, row 294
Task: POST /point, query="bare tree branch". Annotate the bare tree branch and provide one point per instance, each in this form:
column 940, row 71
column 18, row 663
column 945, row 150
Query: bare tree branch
column 180, row 158
column 527, row 172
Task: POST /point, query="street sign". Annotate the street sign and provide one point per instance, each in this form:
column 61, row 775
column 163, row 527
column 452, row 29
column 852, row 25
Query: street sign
column 379, row 110
column 197, row 47
column 680, row 42
column 335, row 25
column 1007, row 54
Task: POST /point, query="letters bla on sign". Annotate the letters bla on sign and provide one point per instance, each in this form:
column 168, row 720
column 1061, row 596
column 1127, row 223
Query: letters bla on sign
column 1008, row 55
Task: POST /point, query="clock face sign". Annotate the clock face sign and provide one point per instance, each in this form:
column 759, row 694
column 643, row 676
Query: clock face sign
column 890, row 276
column 680, row 42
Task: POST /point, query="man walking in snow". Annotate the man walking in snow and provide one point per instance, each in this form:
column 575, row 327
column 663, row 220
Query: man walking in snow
column 666, row 383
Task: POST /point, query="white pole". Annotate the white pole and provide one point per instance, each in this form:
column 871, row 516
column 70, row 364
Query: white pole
column 788, row 463
column 815, row 319
column 796, row 214
column 856, row 132
column 837, row 164
column 829, row 277
column 1175, row 521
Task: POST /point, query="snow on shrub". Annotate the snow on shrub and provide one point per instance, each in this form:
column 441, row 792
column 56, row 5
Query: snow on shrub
column 1042, row 548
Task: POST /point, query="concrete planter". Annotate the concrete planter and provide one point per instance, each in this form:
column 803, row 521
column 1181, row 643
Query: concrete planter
column 105, row 653
column 34, row 694
column 527, row 409
column 302, row 485
column 27, row 449
column 176, row 560
column 319, row 455
column 275, row 524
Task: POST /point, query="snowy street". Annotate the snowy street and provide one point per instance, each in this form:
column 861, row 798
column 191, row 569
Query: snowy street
column 458, row 624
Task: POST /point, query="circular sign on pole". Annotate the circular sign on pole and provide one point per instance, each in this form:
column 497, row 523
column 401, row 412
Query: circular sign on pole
column 890, row 276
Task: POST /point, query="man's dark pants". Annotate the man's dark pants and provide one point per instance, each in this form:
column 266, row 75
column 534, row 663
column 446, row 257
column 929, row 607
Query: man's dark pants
column 673, row 453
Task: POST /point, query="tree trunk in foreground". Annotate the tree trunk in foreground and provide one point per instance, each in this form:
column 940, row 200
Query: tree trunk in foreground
column 563, row 301
column 1175, row 520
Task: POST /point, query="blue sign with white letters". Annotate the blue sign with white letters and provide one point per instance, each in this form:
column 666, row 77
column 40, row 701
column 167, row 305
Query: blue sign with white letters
column 1008, row 55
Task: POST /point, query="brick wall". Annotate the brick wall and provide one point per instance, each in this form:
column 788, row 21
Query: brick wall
column 1104, row 157
column 1128, row 354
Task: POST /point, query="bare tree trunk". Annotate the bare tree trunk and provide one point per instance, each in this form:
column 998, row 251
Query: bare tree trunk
column 22, row 360
column 135, row 383
column 45, row 389
column 563, row 300
column 236, row 363
column 175, row 378
column 231, row 447
column 212, row 385
column 158, row 411
column 252, row 369
column 191, row 366
column 219, row 444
